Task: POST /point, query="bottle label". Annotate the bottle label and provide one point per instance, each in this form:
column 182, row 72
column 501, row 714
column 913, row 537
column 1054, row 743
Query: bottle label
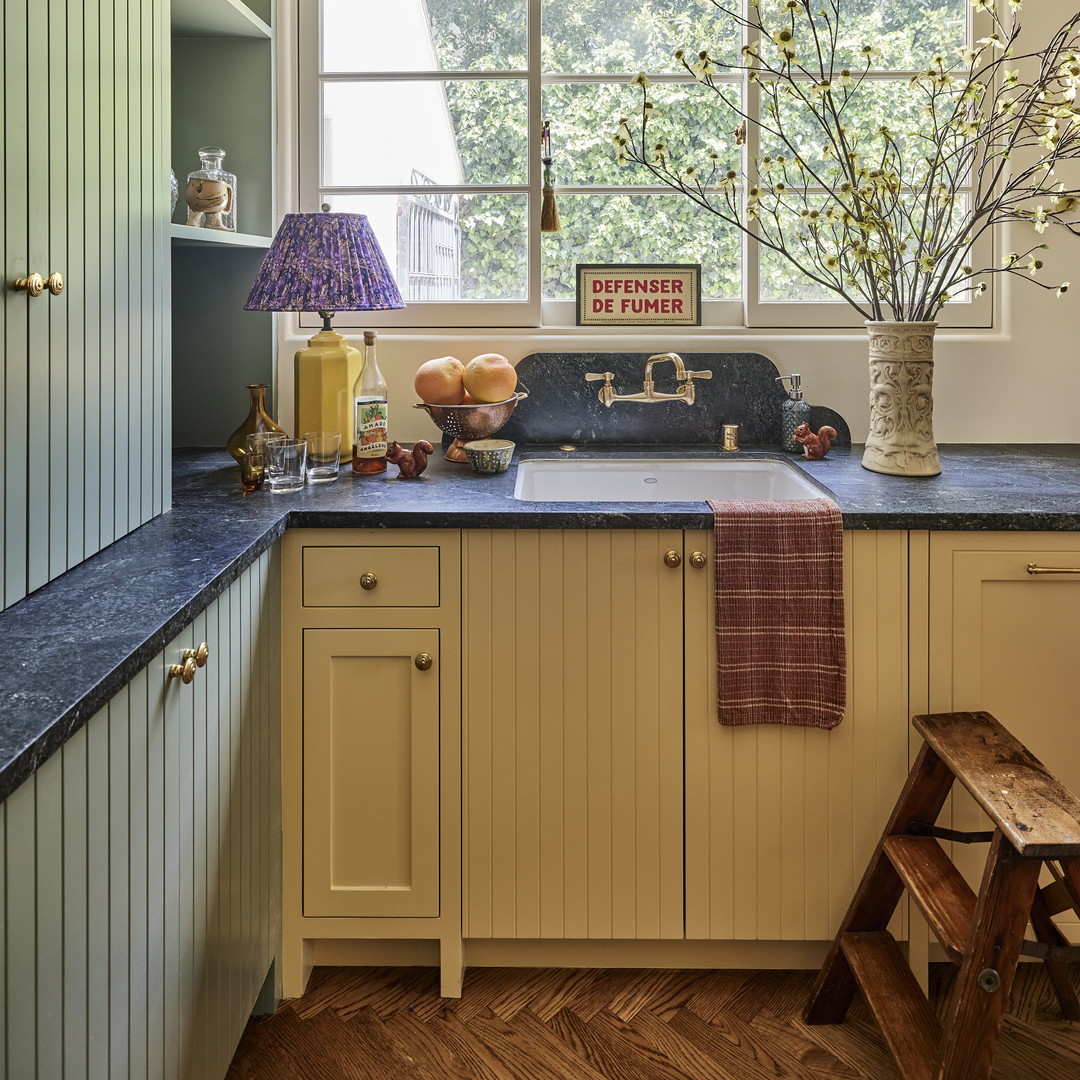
column 370, row 425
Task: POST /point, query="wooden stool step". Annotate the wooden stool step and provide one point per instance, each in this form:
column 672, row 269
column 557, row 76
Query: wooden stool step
column 1039, row 816
column 946, row 900
column 1036, row 821
column 911, row 1030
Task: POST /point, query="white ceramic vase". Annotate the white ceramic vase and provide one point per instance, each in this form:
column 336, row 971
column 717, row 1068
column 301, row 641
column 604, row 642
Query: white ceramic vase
column 901, row 438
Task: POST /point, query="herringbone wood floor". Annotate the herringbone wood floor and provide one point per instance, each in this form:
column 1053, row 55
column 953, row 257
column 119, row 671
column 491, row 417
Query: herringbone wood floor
column 560, row 1024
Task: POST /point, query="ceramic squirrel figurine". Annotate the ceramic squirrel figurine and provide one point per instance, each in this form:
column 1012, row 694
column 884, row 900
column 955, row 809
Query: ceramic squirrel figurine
column 814, row 446
column 410, row 463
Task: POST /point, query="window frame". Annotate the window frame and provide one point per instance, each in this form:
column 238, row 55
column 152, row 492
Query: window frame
column 534, row 312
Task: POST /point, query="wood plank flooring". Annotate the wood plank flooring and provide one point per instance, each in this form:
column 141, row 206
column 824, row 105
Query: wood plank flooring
column 561, row 1024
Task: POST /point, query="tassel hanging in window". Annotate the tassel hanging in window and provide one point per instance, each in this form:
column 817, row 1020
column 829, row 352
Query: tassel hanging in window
column 549, row 210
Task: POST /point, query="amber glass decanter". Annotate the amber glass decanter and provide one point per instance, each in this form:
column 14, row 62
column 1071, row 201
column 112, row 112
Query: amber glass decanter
column 256, row 420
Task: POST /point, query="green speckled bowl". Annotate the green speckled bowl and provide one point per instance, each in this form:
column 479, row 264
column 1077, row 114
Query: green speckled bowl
column 489, row 455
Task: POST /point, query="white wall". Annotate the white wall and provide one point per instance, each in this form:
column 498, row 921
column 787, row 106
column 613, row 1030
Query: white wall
column 1019, row 382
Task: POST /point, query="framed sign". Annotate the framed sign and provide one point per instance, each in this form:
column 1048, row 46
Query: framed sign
column 639, row 294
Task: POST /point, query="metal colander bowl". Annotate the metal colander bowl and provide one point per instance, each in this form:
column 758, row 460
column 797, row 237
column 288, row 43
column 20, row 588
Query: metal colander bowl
column 467, row 422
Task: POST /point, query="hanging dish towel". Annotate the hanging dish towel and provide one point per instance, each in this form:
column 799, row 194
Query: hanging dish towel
column 780, row 612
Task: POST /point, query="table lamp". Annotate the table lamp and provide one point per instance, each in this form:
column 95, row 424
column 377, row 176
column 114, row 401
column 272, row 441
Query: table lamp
column 325, row 263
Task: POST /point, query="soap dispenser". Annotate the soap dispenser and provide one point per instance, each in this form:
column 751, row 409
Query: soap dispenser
column 793, row 412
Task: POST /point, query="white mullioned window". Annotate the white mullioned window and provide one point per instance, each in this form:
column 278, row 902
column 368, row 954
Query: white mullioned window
column 426, row 116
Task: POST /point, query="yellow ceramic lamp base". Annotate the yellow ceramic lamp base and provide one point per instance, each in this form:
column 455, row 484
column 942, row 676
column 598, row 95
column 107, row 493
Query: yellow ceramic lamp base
column 324, row 375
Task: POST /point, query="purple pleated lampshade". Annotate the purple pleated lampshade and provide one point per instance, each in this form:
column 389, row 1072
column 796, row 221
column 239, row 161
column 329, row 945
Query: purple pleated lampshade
column 324, row 262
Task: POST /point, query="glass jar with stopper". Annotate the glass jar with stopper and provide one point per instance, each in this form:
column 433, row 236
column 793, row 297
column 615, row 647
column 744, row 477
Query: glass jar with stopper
column 211, row 192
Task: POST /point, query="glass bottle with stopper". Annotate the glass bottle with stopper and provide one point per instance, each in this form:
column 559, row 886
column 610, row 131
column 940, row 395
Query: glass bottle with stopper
column 211, row 192
column 370, row 413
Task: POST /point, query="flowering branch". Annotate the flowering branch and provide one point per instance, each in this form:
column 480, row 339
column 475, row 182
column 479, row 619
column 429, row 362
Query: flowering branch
column 887, row 222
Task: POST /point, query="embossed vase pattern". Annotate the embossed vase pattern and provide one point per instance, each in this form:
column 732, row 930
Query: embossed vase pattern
column 901, row 438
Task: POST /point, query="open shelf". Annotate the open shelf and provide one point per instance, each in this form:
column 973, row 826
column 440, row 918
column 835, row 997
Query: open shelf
column 190, row 235
column 216, row 18
column 223, row 94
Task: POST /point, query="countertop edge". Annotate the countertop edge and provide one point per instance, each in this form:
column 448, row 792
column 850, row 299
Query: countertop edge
column 158, row 578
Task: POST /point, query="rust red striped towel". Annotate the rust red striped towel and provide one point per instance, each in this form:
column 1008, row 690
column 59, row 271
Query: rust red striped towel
column 780, row 612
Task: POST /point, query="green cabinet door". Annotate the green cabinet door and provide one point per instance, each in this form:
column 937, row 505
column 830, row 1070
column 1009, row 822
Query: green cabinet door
column 84, row 435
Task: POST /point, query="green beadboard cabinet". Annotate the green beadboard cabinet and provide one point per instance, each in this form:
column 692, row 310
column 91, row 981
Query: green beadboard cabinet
column 140, row 909
column 84, row 405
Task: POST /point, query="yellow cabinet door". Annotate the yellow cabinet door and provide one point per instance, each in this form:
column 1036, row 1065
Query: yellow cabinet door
column 1005, row 640
column 371, row 772
column 781, row 820
column 573, row 667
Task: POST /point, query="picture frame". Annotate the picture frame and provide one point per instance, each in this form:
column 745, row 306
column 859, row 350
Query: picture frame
column 638, row 294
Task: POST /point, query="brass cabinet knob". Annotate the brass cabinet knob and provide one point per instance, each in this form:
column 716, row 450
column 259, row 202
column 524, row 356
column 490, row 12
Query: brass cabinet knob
column 423, row 661
column 185, row 672
column 199, row 655
column 368, row 581
column 698, row 560
column 35, row 284
column 672, row 559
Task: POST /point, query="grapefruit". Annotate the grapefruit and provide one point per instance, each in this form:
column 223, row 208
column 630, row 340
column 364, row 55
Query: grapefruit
column 490, row 377
column 439, row 381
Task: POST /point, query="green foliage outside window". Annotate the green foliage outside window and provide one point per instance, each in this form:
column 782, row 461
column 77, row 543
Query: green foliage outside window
column 624, row 37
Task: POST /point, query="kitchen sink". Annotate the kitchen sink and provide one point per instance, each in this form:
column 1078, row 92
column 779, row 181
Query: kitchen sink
column 661, row 480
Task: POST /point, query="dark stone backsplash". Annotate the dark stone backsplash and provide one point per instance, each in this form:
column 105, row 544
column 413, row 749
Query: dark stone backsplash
column 563, row 408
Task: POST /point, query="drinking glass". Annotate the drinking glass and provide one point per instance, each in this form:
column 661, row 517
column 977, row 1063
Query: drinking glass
column 285, row 464
column 253, row 462
column 323, row 456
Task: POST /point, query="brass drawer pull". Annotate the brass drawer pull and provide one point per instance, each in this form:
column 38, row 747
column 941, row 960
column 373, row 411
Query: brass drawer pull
column 1033, row 568
column 698, row 560
column 672, row 559
column 368, row 581
column 35, row 284
column 199, row 655
column 185, row 672
column 424, row 661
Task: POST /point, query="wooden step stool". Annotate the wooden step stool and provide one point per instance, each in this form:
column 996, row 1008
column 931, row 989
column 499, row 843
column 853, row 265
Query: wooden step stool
column 1036, row 822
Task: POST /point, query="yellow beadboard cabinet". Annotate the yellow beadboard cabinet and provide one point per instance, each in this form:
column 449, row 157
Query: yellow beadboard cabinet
column 561, row 792
column 371, row 620
column 1003, row 640
column 781, row 821
column 601, row 797
column 573, row 774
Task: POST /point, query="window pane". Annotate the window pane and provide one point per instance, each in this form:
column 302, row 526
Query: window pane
column 414, row 35
column 614, row 36
column 690, row 120
column 907, row 34
column 780, row 280
column 449, row 247
column 640, row 229
column 455, row 132
column 872, row 104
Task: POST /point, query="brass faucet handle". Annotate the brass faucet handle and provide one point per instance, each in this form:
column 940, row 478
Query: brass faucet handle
column 592, row 376
column 698, row 375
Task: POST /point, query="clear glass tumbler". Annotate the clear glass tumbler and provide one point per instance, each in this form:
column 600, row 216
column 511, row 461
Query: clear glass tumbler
column 285, row 465
column 323, row 456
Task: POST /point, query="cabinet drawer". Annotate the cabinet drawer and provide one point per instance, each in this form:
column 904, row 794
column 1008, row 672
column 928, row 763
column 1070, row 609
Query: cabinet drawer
column 396, row 576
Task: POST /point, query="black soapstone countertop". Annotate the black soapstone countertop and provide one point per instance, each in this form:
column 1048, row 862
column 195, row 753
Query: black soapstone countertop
column 78, row 640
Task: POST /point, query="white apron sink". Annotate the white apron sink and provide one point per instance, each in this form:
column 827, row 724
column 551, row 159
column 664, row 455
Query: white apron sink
column 661, row 480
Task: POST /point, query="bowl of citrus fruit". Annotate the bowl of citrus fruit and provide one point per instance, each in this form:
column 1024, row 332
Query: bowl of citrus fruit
column 467, row 401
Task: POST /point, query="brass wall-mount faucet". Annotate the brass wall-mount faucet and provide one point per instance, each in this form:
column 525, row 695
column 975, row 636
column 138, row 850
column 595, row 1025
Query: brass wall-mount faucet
column 685, row 378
